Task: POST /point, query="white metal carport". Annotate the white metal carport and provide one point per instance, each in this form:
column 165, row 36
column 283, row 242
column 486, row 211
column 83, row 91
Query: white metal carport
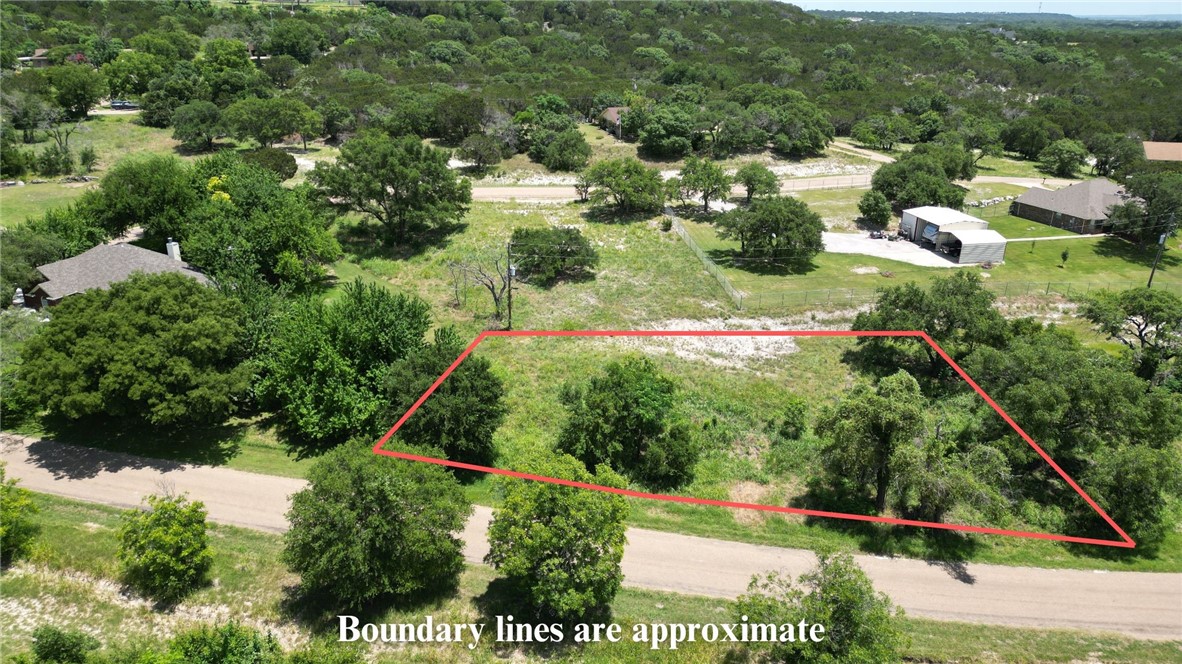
column 979, row 245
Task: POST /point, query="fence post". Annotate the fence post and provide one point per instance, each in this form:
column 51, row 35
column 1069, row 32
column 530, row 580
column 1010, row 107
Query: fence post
column 1048, row 289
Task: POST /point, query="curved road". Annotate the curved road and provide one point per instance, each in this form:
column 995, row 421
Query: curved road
column 1141, row 605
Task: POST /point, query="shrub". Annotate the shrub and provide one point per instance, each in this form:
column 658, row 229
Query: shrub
column 547, row 254
column 875, row 208
column 273, row 159
column 625, row 417
column 480, row 149
column 794, row 418
column 55, row 160
column 566, row 151
column 61, row 646
column 164, row 550
column 370, row 527
column 860, row 625
column 17, row 528
column 561, row 546
column 230, row 643
column 87, row 158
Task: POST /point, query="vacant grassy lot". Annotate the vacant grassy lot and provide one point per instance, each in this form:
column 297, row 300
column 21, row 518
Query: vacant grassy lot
column 32, row 200
column 1013, row 165
column 71, row 581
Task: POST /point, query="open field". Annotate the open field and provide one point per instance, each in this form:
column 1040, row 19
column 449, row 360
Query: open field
column 71, row 581
column 32, row 200
column 1011, row 164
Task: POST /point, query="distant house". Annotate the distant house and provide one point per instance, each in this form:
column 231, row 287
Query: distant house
column 35, row 61
column 1082, row 207
column 102, row 266
column 1162, row 151
column 609, row 120
column 1002, row 32
column 964, row 238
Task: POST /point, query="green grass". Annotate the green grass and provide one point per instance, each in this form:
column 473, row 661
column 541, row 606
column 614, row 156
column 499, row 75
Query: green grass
column 1013, row 228
column 18, row 204
column 1014, row 166
column 838, row 207
column 71, row 580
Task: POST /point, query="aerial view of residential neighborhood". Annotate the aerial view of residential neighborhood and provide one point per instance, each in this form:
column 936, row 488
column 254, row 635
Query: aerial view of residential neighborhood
column 605, row 331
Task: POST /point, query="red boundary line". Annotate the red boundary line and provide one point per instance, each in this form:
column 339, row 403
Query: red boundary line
column 1125, row 541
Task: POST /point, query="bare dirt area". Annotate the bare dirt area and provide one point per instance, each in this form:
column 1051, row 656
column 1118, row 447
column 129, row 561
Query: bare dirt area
column 737, row 352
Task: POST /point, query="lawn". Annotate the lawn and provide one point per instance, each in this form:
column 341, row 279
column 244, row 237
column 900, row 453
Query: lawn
column 71, row 581
column 1030, row 267
column 838, row 207
column 1014, row 166
column 32, row 200
column 1014, row 228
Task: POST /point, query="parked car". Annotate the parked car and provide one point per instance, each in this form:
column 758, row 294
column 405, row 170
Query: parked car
column 123, row 105
column 877, row 235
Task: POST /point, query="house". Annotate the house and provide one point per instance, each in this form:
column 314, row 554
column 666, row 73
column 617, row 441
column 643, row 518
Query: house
column 609, row 120
column 1002, row 32
column 35, row 61
column 1162, row 151
column 964, row 238
column 1082, row 207
column 102, row 266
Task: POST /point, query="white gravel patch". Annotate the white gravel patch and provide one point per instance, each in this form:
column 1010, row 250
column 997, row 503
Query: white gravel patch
column 737, row 352
column 864, row 269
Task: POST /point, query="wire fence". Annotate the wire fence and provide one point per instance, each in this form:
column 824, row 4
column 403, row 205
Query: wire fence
column 796, row 298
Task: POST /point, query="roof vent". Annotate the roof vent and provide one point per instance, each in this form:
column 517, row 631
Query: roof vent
column 173, row 249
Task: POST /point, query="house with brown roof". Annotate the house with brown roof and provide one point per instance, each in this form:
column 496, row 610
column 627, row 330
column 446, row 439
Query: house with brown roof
column 1083, row 207
column 609, row 120
column 38, row 60
column 1162, row 151
column 102, row 266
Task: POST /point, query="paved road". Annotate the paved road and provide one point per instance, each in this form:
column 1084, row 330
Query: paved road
column 1137, row 604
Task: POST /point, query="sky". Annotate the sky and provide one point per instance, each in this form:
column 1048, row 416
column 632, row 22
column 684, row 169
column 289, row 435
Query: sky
column 1074, row 7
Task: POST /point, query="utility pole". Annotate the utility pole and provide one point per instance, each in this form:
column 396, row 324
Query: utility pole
column 1161, row 247
column 509, row 280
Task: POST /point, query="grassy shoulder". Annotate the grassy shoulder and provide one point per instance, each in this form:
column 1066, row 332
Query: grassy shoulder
column 71, row 581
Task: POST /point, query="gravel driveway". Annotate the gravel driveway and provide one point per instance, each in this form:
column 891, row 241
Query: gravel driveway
column 902, row 251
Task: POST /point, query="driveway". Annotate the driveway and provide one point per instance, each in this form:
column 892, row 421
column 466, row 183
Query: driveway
column 1141, row 605
column 902, row 250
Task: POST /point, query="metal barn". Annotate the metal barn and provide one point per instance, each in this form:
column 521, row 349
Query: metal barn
column 962, row 237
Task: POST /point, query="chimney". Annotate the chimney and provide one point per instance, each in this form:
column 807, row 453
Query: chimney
column 173, row 249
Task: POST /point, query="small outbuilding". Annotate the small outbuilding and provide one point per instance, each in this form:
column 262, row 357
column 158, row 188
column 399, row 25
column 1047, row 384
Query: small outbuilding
column 610, row 120
column 102, row 266
column 1162, row 151
column 962, row 237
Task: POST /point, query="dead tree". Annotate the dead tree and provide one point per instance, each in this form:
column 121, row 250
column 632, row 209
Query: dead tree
column 493, row 275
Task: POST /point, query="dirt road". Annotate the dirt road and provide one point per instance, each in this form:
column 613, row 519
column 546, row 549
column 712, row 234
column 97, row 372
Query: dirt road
column 1142, row 605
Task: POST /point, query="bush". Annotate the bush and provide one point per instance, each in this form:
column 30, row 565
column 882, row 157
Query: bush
column 370, row 527
column 230, row 643
column 60, row 646
column 17, row 528
column 164, row 550
column 860, row 625
column 273, row 159
column 55, row 160
column 626, row 417
column 546, row 254
column 87, row 159
column 875, row 208
column 480, row 149
column 566, row 151
column 794, row 418
column 561, row 546
column 462, row 414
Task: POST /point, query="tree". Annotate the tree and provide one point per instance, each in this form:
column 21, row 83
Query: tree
column 130, row 73
column 459, row 115
column 545, row 255
column 981, row 136
column 1063, row 157
column 370, row 528
column 1029, row 135
column 462, row 414
column 269, row 120
column 223, row 644
column 296, row 38
column 1115, row 152
column 881, row 131
column 561, row 546
column 26, row 248
column 76, row 88
column 26, row 112
column 197, row 123
column 778, row 229
column 875, row 208
column 627, row 417
column 667, row 132
column 326, row 364
column 127, row 353
column 61, row 646
column 480, row 149
column 281, row 69
column 567, row 151
column 152, row 192
column 276, row 161
column 915, row 182
column 866, row 428
column 1134, row 484
column 757, row 179
column 336, row 117
column 402, row 183
column 628, row 184
column 164, row 550
column 860, row 624
column 1147, row 321
column 956, row 311
column 702, row 177
column 17, row 528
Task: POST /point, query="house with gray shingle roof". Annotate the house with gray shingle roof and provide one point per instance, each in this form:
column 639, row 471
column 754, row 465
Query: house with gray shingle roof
column 102, row 266
column 1083, row 207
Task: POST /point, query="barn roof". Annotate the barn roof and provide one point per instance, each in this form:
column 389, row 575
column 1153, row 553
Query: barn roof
column 1162, row 151
column 104, row 265
column 1084, row 200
